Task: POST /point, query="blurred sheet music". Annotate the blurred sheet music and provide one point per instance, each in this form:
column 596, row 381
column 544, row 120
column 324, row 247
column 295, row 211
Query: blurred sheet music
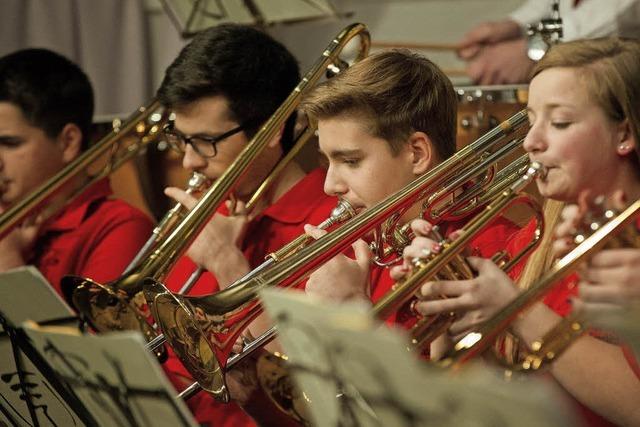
column 115, row 377
column 354, row 372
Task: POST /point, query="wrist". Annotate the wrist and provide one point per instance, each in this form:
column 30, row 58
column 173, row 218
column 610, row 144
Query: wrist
column 228, row 266
column 534, row 323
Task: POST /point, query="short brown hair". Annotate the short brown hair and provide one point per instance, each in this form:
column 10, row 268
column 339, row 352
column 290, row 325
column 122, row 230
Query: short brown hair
column 394, row 93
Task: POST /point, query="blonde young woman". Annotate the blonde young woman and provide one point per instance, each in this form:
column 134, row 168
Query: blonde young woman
column 584, row 107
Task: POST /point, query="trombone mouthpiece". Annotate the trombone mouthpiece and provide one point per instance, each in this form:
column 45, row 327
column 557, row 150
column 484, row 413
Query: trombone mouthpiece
column 342, row 212
column 540, row 169
column 197, row 181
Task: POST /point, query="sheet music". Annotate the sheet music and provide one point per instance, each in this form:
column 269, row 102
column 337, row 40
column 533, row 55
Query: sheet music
column 355, row 372
column 117, row 379
column 36, row 299
column 39, row 302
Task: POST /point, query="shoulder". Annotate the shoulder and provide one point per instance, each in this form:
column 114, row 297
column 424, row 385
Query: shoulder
column 109, row 214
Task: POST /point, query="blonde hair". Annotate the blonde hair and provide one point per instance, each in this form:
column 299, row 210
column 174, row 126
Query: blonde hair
column 394, row 93
column 542, row 259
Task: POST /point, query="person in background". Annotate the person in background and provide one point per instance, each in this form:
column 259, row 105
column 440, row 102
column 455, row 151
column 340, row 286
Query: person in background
column 46, row 108
column 496, row 52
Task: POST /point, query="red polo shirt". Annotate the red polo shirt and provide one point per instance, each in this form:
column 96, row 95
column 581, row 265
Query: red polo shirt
column 277, row 225
column 558, row 299
column 94, row 236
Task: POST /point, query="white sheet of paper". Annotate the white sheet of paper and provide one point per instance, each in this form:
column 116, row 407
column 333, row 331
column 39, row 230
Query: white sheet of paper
column 116, row 378
column 339, row 350
column 37, row 301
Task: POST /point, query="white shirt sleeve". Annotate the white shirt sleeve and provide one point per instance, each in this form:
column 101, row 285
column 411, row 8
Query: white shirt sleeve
column 589, row 19
column 531, row 12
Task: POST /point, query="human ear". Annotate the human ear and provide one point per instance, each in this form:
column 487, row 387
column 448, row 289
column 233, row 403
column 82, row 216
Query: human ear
column 422, row 152
column 626, row 139
column 70, row 141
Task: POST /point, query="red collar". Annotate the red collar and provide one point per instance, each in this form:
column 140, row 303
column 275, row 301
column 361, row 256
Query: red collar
column 297, row 203
column 75, row 213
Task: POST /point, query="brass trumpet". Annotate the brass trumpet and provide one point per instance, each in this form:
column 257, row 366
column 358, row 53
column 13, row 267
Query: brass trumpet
column 122, row 299
column 449, row 264
column 145, row 124
column 202, row 330
column 474, row 343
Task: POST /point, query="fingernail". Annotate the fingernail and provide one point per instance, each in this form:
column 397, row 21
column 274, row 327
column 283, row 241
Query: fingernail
column 435, row 247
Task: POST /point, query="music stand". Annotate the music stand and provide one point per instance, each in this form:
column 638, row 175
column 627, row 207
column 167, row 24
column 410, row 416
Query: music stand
column 192, row 16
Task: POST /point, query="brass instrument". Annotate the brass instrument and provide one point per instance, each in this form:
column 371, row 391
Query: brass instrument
column 342, row 212
column 480, row 184
column 121, row 300
column 197, row 183
column 146, row 124
column 474, row 343
column 202, row 330
column 450, row 265
column 81, row 290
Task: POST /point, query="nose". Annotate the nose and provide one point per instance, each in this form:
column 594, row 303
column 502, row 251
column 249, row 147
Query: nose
column 535, row 141
column 193, row 161
column 333, row 184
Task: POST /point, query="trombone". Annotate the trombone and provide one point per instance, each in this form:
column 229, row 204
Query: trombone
column 474, row 343
column 146, row 124
column 120, row 303
column 202, row 330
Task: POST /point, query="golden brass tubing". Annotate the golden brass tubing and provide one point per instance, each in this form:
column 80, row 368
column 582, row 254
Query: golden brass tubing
column 474, row 343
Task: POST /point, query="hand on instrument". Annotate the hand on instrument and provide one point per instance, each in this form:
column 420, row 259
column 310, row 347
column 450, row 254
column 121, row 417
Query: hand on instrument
column 475, row 300
column 501, row 63
column 420, row 247
column 217, row 247
column 487, row 33
column 16, row 246
column 565, row 230
column 341, row 278
column 609, row 279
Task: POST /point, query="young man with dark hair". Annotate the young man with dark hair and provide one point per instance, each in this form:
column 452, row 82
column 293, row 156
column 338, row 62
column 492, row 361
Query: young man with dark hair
column 222, row 87
column 46, row 109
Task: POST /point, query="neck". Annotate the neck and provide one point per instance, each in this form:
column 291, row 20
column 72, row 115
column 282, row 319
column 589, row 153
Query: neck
column 290, row 175
column 628, row 180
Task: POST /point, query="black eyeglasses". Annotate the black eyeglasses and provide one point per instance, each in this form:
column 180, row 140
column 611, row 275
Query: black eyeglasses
column 205, row 146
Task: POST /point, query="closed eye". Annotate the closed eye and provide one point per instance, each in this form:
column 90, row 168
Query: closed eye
column 10, row 141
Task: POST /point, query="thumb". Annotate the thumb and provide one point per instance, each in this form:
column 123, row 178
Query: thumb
column 363, row 253
column 181, row 197
column 314, row 231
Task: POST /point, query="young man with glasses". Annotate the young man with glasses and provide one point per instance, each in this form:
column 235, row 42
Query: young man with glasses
column 46, row 108
column 222, row 87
